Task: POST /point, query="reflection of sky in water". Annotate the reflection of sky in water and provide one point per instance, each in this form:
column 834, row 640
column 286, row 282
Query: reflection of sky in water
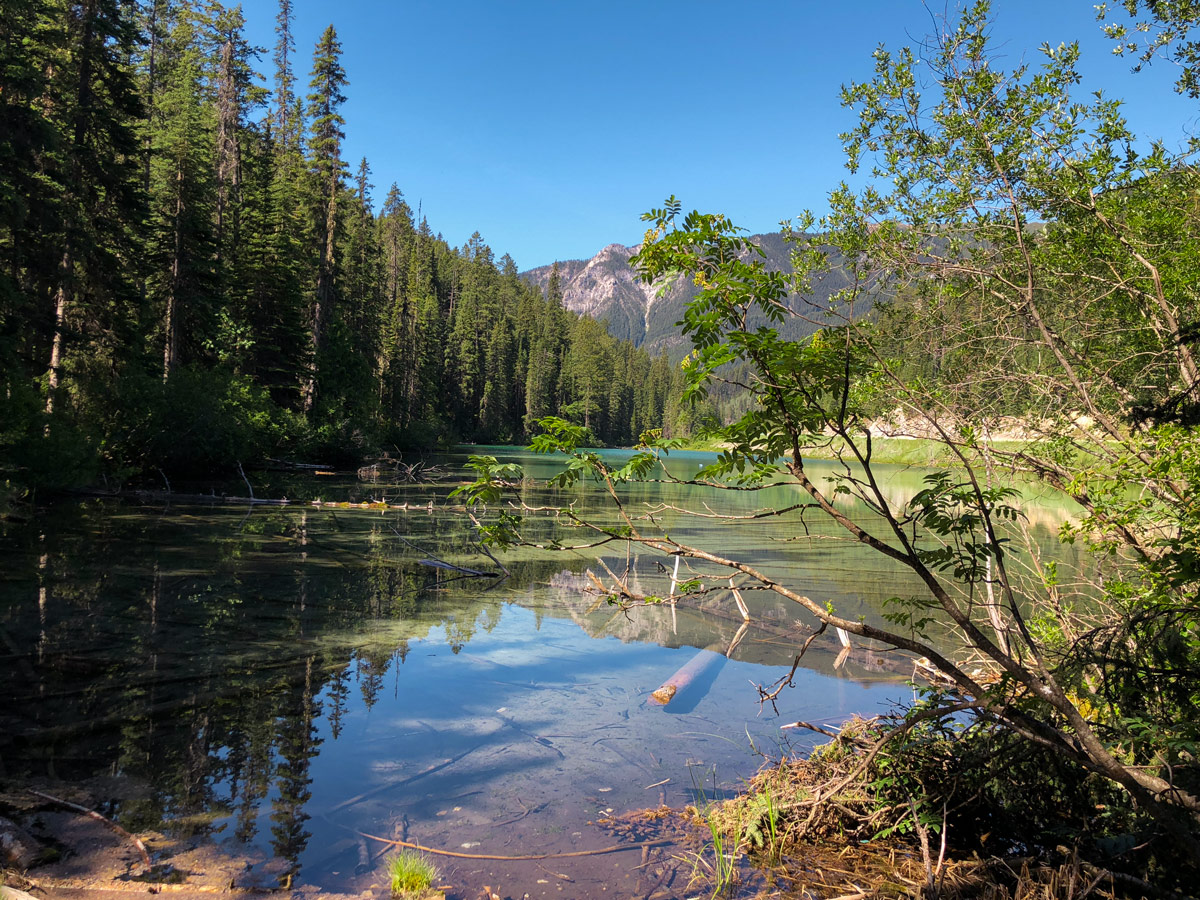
column 281, row 677
column 559, row 724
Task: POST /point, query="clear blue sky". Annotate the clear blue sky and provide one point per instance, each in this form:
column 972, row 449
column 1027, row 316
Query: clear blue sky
column 550, row 125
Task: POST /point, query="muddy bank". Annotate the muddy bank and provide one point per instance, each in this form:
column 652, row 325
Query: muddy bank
column 81, row 856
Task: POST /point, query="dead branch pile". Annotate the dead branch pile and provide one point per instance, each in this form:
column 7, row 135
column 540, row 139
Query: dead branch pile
column 386, row 468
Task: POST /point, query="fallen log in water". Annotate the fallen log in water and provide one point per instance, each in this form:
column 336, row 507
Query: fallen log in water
column 698, row 666
column 171, row 497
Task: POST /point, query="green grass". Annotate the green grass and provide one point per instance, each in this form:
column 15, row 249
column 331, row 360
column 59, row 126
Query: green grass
column 412, row 873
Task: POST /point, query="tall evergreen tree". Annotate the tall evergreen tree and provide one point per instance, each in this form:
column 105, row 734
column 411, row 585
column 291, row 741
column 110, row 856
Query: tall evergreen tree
column 30, row 48
column 284, row 123
column 545, row 357
column 184, row 208
column 327, row 168
column 95, row 169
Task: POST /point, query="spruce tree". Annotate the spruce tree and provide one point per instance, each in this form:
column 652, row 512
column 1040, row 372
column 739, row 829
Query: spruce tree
column 397, row 323
column 284, row 123
column 94, row 170
column 183, row 196
column 326, row 170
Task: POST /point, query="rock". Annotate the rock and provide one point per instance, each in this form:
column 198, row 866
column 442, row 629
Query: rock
column 17, row 848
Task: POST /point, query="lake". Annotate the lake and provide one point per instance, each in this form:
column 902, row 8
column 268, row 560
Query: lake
column 280, row 680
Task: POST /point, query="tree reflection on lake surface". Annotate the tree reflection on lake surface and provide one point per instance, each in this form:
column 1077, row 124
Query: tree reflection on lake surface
column 280, row 678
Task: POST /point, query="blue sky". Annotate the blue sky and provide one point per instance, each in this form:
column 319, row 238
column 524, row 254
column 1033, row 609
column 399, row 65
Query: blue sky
column 549, row 127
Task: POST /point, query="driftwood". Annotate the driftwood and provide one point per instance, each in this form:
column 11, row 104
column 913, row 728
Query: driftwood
column 392, row 469
column 92, row 814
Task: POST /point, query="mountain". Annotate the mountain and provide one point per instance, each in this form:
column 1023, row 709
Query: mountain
column 606, row 287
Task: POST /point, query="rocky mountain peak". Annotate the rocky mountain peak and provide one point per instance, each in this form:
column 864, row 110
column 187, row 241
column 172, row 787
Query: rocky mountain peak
column 606, row 287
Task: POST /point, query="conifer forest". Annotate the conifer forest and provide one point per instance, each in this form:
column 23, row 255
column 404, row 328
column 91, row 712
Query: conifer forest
column 193, row 276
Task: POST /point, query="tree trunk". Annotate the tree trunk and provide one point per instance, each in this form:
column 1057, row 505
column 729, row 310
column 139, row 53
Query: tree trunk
column 171, row 316
column 61, row 299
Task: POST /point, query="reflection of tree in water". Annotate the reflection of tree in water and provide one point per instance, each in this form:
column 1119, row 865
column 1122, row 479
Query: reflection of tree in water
column 250, row 775
column 187, row 651
column 338, row 692
column 297, row 744
column 371, row 666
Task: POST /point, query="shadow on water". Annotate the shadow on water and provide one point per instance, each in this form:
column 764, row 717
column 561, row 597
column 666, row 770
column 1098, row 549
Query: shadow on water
column 284, row 679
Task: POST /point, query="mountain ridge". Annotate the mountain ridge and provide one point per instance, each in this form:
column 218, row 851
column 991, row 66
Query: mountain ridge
column 607, row 288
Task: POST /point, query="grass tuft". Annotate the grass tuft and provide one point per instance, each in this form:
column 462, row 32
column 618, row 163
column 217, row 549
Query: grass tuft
column 411, row 872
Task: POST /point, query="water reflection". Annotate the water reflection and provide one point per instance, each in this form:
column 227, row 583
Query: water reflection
column 283, row 677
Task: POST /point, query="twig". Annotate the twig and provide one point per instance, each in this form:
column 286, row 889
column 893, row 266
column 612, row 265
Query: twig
column 528, row 810
column 92, row 814
column 563, row 877
column 441, row 564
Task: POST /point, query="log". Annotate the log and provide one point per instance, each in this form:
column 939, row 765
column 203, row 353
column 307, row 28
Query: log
column 158, row 496
column 697, row 666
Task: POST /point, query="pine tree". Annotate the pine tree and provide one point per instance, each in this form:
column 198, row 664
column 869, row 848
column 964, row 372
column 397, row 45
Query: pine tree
column 497, row 422
column 425, row 382
column 586, row 375
column 362, row 265
column 466, row 353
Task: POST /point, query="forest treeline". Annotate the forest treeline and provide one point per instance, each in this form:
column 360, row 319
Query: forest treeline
column 192, row 276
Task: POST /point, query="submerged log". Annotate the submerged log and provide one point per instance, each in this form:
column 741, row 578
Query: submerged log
column 442, row 564
column 698, row 666
column 146, row 496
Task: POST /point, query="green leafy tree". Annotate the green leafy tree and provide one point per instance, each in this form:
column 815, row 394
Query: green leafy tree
column 1160, row 28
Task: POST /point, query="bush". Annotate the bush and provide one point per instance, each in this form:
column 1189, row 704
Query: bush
column 196, row 423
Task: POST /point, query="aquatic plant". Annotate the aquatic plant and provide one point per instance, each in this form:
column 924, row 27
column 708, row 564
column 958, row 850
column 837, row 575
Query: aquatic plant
column 412, row 873
column 725, row 847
